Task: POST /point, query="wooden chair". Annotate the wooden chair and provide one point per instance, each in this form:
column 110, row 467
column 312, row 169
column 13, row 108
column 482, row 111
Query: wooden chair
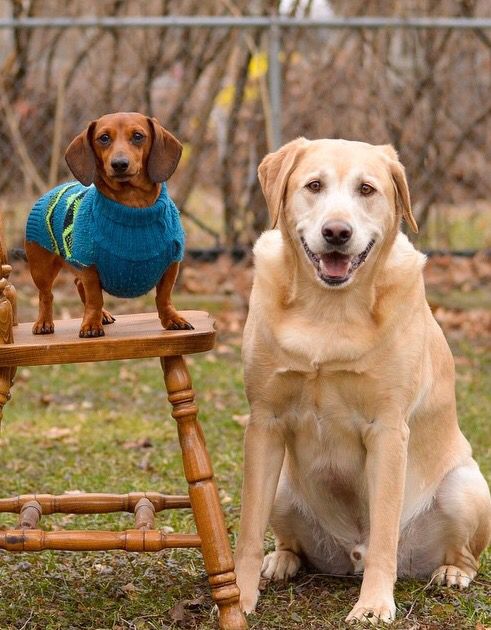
column 130, row 337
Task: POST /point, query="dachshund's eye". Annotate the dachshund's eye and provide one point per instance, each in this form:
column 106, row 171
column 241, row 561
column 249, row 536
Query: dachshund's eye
column 314, row 186
column 105, row 138
column 366, row 189
column 138, row 137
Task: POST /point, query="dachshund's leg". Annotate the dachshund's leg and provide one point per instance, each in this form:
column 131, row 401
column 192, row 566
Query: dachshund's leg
column 170, row 318
column 92, row 321
column 44, row 267
column 107, row 318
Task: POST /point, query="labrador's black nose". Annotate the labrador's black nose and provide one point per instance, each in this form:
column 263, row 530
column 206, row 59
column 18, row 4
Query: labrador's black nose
column 337, row 232
column 120, row 164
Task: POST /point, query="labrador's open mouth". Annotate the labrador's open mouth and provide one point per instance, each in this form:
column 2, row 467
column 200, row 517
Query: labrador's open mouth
column 336, row 268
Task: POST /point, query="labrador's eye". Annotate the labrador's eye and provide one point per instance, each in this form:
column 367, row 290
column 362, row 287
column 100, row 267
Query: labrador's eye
column 366, row 189
column 105, row 138
column 138, row 137
column 314, row 186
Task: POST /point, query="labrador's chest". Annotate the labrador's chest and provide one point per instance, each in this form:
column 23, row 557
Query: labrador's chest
column 323, row 423
column 324, row 415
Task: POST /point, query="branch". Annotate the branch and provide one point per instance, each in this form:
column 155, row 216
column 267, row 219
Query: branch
column 29, row 169
column 57, row 131
column 443, row 168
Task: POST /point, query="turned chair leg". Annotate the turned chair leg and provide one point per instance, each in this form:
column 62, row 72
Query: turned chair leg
column 203, row 494
column 6, row 381
column 6, row 336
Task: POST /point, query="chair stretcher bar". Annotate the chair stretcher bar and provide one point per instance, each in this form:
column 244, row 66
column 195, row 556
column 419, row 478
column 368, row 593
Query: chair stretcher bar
column 76, row 540
column 93, row 503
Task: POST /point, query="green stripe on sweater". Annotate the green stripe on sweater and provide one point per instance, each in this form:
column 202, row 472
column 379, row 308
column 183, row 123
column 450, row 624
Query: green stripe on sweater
column 50, row 215
column 73, row 204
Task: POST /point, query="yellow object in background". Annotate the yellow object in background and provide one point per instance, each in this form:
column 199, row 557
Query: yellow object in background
column 258, row 65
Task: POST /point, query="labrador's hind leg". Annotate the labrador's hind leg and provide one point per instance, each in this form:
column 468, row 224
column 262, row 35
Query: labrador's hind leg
column 444, row 543
column 465, row 502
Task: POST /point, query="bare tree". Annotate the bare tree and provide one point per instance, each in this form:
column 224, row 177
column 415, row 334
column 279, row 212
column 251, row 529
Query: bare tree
column 427, row 92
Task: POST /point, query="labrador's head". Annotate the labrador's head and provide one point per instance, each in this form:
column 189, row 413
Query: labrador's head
column 340, row 201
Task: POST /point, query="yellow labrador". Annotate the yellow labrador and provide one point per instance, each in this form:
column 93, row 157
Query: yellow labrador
column 353, row 451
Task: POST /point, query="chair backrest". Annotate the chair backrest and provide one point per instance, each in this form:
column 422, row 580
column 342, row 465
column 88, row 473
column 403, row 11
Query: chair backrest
column 3, row 249
column 7, row 289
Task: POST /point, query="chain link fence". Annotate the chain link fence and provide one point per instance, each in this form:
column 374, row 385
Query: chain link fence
column 229, row 87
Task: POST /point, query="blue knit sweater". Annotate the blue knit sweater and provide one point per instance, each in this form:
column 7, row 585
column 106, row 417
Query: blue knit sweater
column 130, row 247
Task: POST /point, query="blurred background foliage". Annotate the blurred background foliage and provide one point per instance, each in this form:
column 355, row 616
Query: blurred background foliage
column 425, row 91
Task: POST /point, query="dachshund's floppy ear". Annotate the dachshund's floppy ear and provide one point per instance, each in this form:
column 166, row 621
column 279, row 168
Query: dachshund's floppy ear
column 274, row 172
column 80, row 156
column 398, row 174
column 165, row 152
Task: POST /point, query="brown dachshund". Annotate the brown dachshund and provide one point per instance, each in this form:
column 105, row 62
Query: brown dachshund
column 126, row 156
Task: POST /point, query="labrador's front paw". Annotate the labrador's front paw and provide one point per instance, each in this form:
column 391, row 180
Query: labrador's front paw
column 247, row 573
column 248, row 600
column 384, row 609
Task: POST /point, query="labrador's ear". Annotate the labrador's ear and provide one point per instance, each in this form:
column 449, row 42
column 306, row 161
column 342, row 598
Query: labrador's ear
column 80, row 156
column 274, row 172
column 165, row 152
column 398, row 174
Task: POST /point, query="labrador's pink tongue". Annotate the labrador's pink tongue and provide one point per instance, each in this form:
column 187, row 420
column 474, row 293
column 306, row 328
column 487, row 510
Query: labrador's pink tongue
column 335, row 265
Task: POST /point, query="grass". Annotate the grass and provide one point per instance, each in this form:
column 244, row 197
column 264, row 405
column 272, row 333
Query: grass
column 457, row 227
column 107, row 427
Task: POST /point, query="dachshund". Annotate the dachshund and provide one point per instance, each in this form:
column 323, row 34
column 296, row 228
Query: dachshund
column 117, row 229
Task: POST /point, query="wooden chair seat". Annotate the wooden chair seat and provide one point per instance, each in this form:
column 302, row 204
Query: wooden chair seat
column 130, row 337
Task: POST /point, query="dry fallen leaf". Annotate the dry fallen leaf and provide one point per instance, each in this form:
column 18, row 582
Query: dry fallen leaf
column 58, row 433
column 179, row 611
column 142, row 443
column 130, row 589
column 241, row 419
column 46, row 399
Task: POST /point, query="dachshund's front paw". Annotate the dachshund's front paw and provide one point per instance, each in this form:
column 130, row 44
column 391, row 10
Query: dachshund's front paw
column 90, row 329
column 42, row 327
column 171, row 320
column 107, row 318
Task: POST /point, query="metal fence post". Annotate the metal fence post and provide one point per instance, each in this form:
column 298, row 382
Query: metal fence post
column 274, row 66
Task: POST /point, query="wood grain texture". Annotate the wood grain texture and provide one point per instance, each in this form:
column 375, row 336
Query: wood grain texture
column 6, row 339
column 130, row 337
column 10, row 292
column 30, row 515
column 82, row 540
column 208, row 515
column 144, row 515
column 93, row 502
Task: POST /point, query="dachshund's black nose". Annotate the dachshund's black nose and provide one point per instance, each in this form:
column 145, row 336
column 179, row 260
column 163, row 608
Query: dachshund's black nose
column 337, row 232
column 120, row 164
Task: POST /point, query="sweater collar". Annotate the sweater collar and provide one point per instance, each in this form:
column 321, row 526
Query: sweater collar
column 126, row 215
